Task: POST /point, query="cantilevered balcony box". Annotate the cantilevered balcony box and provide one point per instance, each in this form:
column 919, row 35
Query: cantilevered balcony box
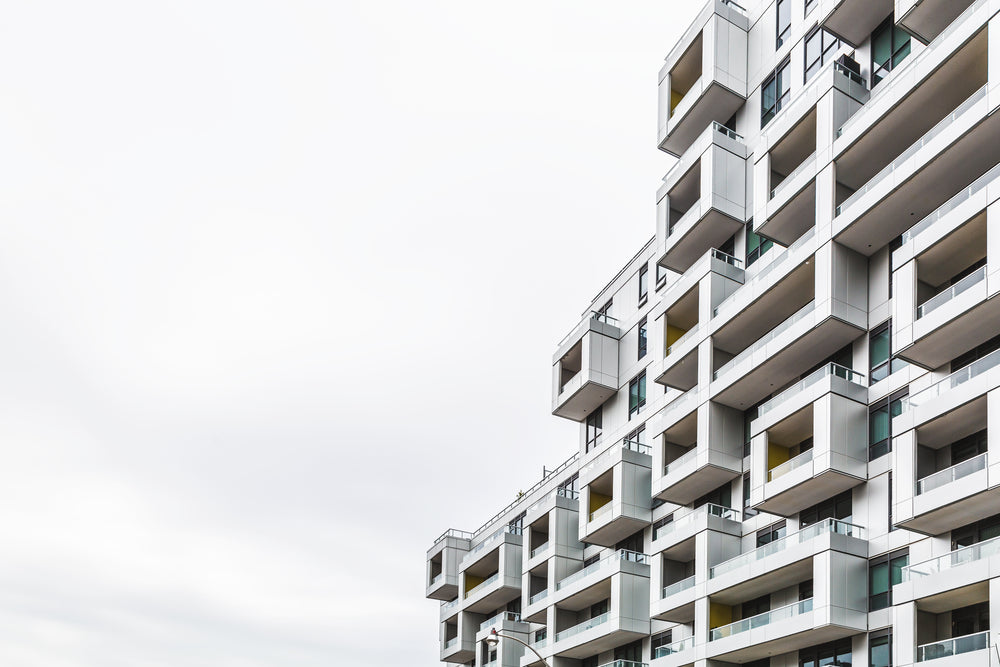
column 490, row 574
column 585, row 367
column 458, row 639
column 937, row 317
column 926, row 19
column 936, row 575
column 704, row 78
column 615, row 494
column 696, row 453
column 702, row 201
column 623, row 580
column 508, row 624
column 559, row 509
column 832, row 554
column 829, row 409
column 965, row 402
column 853, row 20
column 442, row 564
column 837, row 280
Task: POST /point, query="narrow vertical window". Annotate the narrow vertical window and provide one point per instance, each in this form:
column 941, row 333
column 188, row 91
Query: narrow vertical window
column 774, row 93
column 636, row 394
column 880, row 648
column 890, row 47
column 642, row 338
column 756, row 246
column 643, row 283
column 593, row 429
column 784, row 8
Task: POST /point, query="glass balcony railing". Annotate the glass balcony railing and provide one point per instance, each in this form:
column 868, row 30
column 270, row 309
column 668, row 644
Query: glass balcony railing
column 949, row 475
column 449, row 605
column 802, row 313
column 808, row 381
column 692, row 213
column 722, row 129
column 453, row 532
column 541, row 548
column 492, row 539
column 970, row 554
column 912, row 150
column 950, row 205
column 675, row 588
column 955, row 646
column 683, row 339
column 709, row 508
column 947, row 295
column 540, row 595
column 621, row 554
column 676, row 647
column 681, row 460
column 540, row 643
column 959, row 377
column 601, row 511
column 760, row 620
column 624, row 663
column 586, row 625
column 808, row 163
column 727, row 258
column 790, row 465
column 450, row 642
column 804, row 535
column 437, row 577
column 895, row 77
column 484, row 584
column 512, row 616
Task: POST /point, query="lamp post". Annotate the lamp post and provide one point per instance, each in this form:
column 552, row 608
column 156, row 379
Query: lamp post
column 494, row 638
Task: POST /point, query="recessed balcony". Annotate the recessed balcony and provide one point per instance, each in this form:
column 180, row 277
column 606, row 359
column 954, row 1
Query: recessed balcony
column 926, row 19
column 675, row 540
column 702, row 201
column 953, row 628
column 971, row 649
column 674, row 655
column 585, row 367
column 853, row 20
column 617, row 502
column 442, row 564
column 704, row 79
column 790, row 210
column 944, row 305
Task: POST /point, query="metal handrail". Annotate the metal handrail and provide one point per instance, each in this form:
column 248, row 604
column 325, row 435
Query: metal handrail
column 811, row 379
column 951, row 474
column 941, row 298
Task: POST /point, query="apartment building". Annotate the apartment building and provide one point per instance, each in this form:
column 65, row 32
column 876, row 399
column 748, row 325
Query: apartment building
column 785, row 456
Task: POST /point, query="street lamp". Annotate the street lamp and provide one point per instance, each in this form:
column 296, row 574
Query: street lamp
column 494, row 638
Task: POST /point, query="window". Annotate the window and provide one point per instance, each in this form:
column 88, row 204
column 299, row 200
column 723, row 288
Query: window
column 881, row 363
column 883, row 573
column 784, row 8
column 821, row 47
column 880, row 648
column 661, row 639
column 810, row 5
column 775, row 92
column 643, row 283
column 976, row 353
column 660, row 523
column 516, row 524
column 833, row 654
column 661, row 276
column 594, row 428
column 631, row 543
column 805, row 590
column 773, row 532
column 587, row 562
column 880, row 423
column 604, row 313
column 636, row 394
column 970, row 620
column 630, row 652
column 890, row 46
column 571, row 487
column 838, row 507
column 599, row 608
column 975, row 533
column 642, row 337
column 636, row 440
column 589, row 662
column 756, row 246
column 541, row 634
column 721, row 496
column 760, row 605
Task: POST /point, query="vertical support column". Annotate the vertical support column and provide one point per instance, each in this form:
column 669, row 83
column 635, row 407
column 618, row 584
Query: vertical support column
column 904, row 304
column 993, row 61
column 993, row 438
column 904, row 633
column 761, row 185
column 992, row 246
column 758, row 467
column 904, row 466
column 826, row 199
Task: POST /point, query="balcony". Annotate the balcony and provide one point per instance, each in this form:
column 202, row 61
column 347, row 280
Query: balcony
column 702, row 201
column 926, row 19
column 954, row 391
column 790, row 559
column 585, row 367
column 593, row 583
column 455, row 649
column 965, row 646
column 693, row 463
column 673, row 655
column 829, row 410
column 964, row 567
column 442, row 564
column 853, row 20
column 616, row 499
column 703, row 79
column 955, row 311
column 675, row 540
column 492, row 579
column 874, row 208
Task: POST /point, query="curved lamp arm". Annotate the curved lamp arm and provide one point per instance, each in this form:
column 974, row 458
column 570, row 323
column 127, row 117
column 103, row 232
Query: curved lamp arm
column 494, row 639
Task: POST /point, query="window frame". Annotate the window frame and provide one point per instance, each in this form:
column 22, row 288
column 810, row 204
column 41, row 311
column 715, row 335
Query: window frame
column 879, row 71
column 637, row 389
column 780, row 78
column 643, row 337
column 591, row 443
column 826, row 51
column 782, row 35
column 896, row 559
column 643, row 284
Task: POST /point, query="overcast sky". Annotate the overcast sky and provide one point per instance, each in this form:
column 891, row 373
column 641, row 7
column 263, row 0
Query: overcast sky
column 280, row 283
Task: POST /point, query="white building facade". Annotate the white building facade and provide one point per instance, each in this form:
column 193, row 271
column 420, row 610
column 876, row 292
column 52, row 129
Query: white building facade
column 785, row 454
